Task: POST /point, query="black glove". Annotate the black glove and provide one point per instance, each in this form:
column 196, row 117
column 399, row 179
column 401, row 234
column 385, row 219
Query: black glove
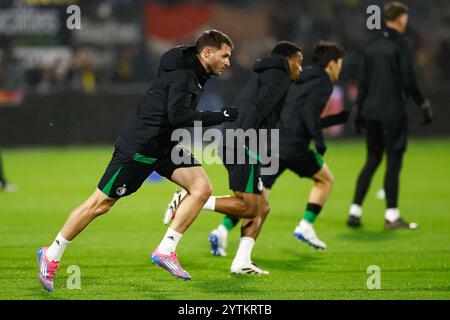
column 321, row 148
column 229, row 114
column 427, row 113
column 359, row 123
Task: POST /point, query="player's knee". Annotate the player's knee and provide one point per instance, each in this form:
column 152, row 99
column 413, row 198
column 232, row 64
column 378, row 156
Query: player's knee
column 240, row 206
column 265, row 209
column 202, row 190
column 374, row 159
column 251, row 209
column 394, row 161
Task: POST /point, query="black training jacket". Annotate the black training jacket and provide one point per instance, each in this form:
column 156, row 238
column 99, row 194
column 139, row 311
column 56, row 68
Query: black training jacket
column 388, row 78
column 169, row 104
column 300, row 120
column 262, row 98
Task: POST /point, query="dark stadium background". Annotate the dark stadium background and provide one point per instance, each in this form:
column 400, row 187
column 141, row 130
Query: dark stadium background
column 62, row 87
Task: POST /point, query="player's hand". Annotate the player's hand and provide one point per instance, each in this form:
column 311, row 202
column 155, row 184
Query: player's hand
column 230, row 113
column 427, row 113
column 321, row 148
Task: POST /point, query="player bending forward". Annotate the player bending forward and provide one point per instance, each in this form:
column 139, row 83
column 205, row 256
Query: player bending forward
column 260, row 103
column 145, row 145
column 300, row 122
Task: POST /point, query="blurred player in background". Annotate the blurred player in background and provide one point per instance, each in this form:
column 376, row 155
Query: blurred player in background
column 300, row 123
column 4, row 185
column 145, row 145
column 388, row 79
column 260, row 103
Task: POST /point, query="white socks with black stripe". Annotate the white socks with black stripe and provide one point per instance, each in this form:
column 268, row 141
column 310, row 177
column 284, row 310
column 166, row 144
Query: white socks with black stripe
column 169, row 242
column 56, row 249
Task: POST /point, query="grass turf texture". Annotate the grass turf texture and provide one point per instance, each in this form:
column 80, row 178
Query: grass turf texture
column 113, row 252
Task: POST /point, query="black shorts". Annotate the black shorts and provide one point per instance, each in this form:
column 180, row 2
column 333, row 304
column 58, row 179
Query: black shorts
column 125, row 174
column 245, row 178
column 305, row 165
column 390, row 136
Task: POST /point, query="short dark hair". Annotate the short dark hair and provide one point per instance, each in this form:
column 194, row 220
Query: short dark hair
column 286, row 48
column 326, row 51
column 213, row 38
column 393, row 10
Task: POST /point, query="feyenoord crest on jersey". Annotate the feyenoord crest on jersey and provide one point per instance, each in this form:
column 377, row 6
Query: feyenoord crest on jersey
column 120, row 191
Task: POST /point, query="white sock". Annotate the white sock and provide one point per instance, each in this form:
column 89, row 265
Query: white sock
column 56, row 249
column 303, row 225
column 210, row 204
column 392, row 214
column 222, row 230
column 244, row 252
column 169, row 242
column 355, row 210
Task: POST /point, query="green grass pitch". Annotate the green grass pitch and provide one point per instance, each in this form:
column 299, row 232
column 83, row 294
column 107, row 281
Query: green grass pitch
column 113, row 252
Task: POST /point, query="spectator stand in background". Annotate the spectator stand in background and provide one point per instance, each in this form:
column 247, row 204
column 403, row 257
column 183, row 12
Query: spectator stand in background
column 12, row 79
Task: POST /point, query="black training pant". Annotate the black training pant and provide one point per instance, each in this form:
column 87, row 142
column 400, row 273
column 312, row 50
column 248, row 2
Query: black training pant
column 383, row 137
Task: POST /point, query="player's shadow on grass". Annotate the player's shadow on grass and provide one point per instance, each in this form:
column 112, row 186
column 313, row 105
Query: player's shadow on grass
column 294, row 261
column 362, row 235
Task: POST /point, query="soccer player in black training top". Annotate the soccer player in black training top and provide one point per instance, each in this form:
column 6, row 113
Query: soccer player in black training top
column 259, row 103
column 300, row 122
column 145, row 145
column 388, row 79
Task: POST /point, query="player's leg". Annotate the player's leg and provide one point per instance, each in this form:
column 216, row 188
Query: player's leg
column 391, row 185
column 323, row 184
column 375, row 147
column 395, row 134
column 244, row 202
column 245, row 181
column 96, row 205
column 2, row 175
column 252, row 227
column 219, row 236
column 122, row 177
column 250, row 230
column 240, row 205
column 247, row 184
column 195, row 181
column 49, row 258
column 4, row 185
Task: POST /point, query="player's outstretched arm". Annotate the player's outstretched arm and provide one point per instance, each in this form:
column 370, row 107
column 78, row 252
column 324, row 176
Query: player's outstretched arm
column 180, row 112
column 335, row 119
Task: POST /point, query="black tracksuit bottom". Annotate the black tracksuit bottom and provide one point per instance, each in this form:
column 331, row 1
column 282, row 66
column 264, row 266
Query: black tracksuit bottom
column 383, row 137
